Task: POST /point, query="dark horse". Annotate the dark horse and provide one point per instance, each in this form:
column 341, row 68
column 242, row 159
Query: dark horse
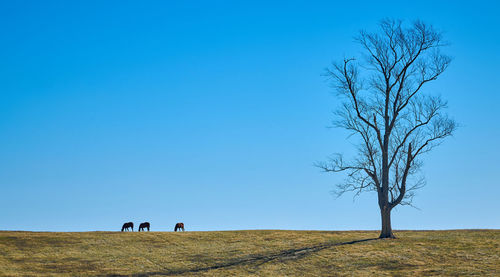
column 179, row 226
column 128, row 225
column 144, row 225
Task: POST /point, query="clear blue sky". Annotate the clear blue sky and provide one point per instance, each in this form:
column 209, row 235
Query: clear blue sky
column 212, row 113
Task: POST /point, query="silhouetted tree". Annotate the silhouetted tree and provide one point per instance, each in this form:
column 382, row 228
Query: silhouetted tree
column 384, row 106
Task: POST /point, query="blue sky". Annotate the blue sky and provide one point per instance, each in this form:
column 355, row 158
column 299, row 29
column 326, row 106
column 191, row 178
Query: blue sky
column 213, row 113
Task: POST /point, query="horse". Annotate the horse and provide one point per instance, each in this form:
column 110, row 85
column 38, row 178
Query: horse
column 179, row 226
column 144, row 225
column 128, row 225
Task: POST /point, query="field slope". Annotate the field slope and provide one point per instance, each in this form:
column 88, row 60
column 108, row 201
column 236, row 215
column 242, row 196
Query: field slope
column 253, row 253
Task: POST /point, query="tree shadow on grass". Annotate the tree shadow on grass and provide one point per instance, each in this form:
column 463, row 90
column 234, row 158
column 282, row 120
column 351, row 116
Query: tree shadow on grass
column 290, row 254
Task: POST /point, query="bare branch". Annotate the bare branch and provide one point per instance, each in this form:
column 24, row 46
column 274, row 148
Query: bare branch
column 387, row 111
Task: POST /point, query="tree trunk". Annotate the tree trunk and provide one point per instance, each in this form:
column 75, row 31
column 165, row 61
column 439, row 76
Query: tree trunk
column 386, row 231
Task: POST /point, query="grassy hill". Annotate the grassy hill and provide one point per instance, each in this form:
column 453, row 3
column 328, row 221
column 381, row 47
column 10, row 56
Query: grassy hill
column 257, row 253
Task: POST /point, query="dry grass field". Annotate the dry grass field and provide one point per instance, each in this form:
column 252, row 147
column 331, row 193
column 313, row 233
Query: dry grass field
column 251, row 253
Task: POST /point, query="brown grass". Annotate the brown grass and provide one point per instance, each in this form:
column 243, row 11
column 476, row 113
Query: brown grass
column 251, row 253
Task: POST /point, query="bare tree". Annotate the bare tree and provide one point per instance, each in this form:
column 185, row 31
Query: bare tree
column 385, row 108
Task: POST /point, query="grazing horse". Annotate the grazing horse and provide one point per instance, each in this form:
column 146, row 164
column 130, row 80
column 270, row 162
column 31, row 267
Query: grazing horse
column 179, row 226
column 128, row 225
column 144, row 225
